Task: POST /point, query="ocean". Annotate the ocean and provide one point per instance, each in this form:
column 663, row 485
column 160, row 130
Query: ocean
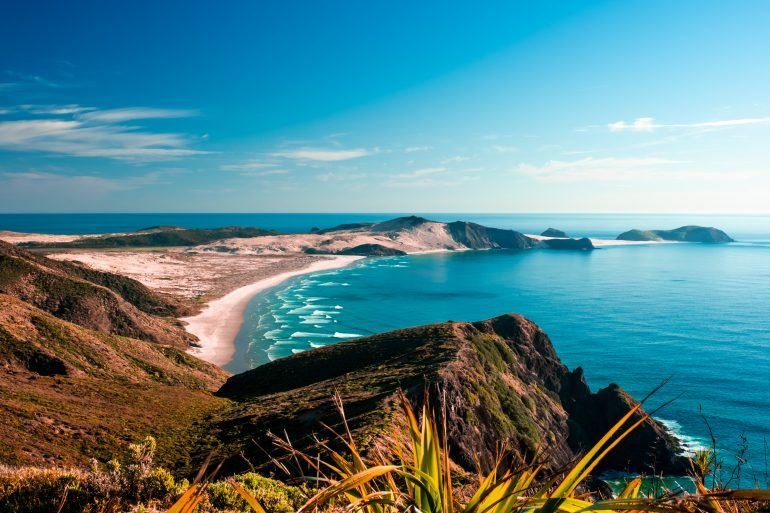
column 633, row 315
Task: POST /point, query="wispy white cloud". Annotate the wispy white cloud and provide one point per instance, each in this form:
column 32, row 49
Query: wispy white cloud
column 455, row 159
column 504, row 149
column 54, row 110
column 246, row 166
column 495, row 136
column 95, row 134
column 84, row 183
column 267, row 172
column 610, row 168
column 31, row 78
column 648, row 124
column 422, row 172
column 428, row 177
column 324, row 155
column 340, row 177
column 414, row 149
column 135, row 113
column 430, row 182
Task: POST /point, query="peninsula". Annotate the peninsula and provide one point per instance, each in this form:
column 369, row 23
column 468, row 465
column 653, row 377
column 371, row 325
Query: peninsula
column 211, row 274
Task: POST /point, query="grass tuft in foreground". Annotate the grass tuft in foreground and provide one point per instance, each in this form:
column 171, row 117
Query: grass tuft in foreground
column 409, row 471
column 421, row 478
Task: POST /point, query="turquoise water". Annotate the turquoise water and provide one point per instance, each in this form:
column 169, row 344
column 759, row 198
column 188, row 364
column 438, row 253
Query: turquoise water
column 632, row 315
column 753, row 227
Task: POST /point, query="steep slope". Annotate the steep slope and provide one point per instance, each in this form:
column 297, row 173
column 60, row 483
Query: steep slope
column 708, row 235
column 501, row 379
column 100, row 301
column 476, row 236
column 68, row 393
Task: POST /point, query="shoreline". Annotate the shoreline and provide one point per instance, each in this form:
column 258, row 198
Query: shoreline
column 217, row 325
column 604, row 243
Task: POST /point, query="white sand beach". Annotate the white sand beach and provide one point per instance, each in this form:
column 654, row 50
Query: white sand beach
column 218, row 324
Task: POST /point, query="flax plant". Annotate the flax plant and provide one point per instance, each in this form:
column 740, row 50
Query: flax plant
column 418, row 478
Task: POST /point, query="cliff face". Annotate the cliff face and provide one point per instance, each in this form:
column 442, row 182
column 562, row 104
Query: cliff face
column 501, row 382
column 476, row 236
column 99, row 301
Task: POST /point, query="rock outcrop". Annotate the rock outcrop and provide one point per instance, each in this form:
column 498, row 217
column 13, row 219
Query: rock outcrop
column 500, row 381
column 371, row 250
column 703, row 234
column 553, row 232
column 583, row 244
column 476, row 236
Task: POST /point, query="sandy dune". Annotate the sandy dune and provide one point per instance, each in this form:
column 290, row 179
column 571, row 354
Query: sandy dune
column 201, row 276
column 426, row 237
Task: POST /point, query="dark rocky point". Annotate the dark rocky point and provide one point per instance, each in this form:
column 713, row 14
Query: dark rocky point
column 553, row 232
column 371, row 250
column 501, row 382
column 583, row 244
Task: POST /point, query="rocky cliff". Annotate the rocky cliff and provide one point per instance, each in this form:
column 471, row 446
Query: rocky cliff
column 500, row 379
column 476, row 236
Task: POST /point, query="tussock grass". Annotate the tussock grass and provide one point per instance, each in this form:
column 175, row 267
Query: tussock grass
column 421, row 478
column 410, row 470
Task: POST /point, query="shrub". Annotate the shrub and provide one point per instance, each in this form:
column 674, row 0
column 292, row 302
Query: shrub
column 274, row 496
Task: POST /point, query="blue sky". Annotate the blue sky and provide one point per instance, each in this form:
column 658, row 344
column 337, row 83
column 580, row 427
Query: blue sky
column 595, row 106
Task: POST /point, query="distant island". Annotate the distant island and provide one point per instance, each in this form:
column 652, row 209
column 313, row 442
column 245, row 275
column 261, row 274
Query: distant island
column 553, row 232
column 708, row 235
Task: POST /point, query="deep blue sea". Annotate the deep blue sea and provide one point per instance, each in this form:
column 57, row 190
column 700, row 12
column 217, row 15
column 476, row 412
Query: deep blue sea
column 632, row 315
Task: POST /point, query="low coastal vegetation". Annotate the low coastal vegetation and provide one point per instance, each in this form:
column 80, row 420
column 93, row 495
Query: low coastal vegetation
column 133, row 482
column 412, row 470
column 166, row 236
